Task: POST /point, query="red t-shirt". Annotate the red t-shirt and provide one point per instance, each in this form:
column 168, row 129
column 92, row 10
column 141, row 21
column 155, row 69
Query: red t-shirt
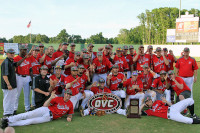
column 171, row 60
column 59, row 107
column 71, row 55
column 129, row 83
column 96, row 90
column 141, row 60
column 180, row 81
column 68, row 70
column 23, row 68
column 57, row 54
column 75, row 87
column 146, row 79
column 84, row 80
column 48, row 60
column 102, row 67
column 122, row 63
column 115, row 80
column 186, row 66
column 158, row 109
column 59, row 84
column 129, row 60
column 158, row 84
column 35, row 65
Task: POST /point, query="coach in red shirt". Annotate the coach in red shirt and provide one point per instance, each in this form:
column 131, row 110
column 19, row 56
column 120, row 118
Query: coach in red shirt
column 186, row 67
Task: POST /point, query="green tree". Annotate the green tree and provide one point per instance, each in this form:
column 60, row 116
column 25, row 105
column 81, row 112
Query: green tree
column 62, row 36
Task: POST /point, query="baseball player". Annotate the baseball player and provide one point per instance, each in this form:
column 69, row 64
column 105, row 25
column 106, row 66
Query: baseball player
column 113, row 82
column 34, row 71
column 73, row 83
column 90, row 51
column 8, row 83
column 72, row 62
column 159, row 61
column 54, row 108
column 41, row 86
column 86, row 61
column 132, row 54
column 58, row 79
column 179, row 86
column 95, row 90
column 72, row 51
column 85, row 81
column 23, row 76
column 161, row 86
column 41, row 53
column 59, row 53
column 147, row 77
column 171, row 58
column 129, row 60
column 141, row 58
column 120, row 61
column 134, row 89
column 101, row 66
column 186, row 67
column 165, row 109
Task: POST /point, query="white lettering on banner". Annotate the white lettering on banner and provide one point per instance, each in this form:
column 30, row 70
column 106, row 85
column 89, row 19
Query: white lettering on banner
column 109, row 103
column 98, row 103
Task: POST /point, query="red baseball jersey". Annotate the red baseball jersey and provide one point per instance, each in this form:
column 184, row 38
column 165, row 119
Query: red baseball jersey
column 180, row 81
column 115, row 80
column 129, row 60
column 57, row 54
column 59, row 84
column 158, row 109
column 71, row 55
column 23, row 68
column 48, row 60
column 159, row 64
column 84, row 79
column 129, row 83
column 59, row 107
column 97, row 90
column 121, row 61
column 134, row 64
column 146, row 79
column 35, row 65
column 102, row 67
column 186, row 66
column 76, row 86
column 39, row 56
column 141, row 60
column 158, row 84
column 68, row 70
column 171, row 60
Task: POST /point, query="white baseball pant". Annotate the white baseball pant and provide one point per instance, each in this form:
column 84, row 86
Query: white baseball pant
column 138, row 95
column 88, row 94
column 39, row 115
column 9, row 97
column 23, row 82
column 119, row 93
column 176, row 109
column 189, row 82
column 96, row 77
column 74, row 99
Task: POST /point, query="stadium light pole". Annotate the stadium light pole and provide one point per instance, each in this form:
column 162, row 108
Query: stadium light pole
column 180, row 10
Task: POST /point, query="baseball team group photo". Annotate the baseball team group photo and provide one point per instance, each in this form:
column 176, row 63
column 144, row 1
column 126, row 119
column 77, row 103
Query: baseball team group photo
column 145, row 78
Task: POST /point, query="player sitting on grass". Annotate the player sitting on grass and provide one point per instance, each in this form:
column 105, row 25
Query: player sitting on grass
column 166, row 110
column 54, row 108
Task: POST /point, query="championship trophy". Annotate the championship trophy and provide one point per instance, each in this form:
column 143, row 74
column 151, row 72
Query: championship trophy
column 133, row 109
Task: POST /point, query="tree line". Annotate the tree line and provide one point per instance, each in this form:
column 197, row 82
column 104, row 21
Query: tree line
column 151, row 30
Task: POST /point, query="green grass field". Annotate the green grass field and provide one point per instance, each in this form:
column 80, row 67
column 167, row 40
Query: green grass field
column 111, row 123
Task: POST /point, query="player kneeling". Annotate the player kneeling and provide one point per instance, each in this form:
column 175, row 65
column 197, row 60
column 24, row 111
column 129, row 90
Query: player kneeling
column 54, row 108
column 166, row 110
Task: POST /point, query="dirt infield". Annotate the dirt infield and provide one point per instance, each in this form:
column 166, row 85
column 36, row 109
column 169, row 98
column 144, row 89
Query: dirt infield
column 198, row 63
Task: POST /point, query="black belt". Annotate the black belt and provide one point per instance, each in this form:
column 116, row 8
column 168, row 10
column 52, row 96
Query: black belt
column 51, row 115
column 168, row 111
column 22, row 75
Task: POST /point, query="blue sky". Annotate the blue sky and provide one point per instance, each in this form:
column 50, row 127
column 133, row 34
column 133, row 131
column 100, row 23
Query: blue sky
column 83, row 17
